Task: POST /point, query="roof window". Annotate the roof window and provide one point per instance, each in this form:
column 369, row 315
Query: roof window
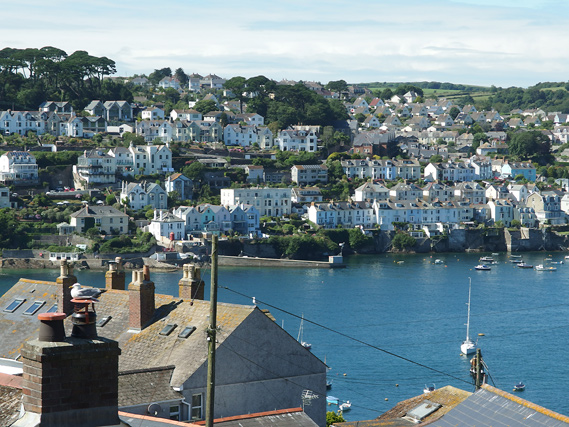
column 186, row 332
column 34, row 307
column 168, row 329
column 13, row 306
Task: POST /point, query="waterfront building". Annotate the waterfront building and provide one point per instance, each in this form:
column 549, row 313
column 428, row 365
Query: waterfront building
column 181, row 184
column 502, row 210
column 140, row 195
column 106, row 219
column 347, row 214
column 268, row 201
column 547, row 208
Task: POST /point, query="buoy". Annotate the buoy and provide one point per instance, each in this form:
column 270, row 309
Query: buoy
column 386, row 399
column 396, row 385
column 345, row 374
column 480, row 335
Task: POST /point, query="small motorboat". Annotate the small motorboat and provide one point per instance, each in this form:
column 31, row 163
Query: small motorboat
column 439, row 261
column 520, row 386
column 524, row 265
column 495, row 254
column 331, row 400
column 346, row 406
column 328, row 384
column 486, row 259
column 542, row 267
column 556, row 262
column 516, row 261
column 429, row 389
column 482, row 267
column 515, row 256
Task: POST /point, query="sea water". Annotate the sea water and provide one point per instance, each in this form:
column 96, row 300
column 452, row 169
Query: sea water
column 387, row 325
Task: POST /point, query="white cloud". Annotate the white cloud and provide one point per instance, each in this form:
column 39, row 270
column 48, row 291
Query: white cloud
column 511, row 42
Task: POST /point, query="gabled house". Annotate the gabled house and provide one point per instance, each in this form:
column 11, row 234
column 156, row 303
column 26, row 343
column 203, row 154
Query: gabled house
column 187, row 115
column 471, row 191
column 405, row 191
column 166, row 226
column 105, row 218
column 270, row 374
column 371, row 191
column 181, row 184
column 306, row 195
column 152, row 113
column 118, row 111
column 169, row 82
column 244, row 219
column 140, row 195
column 547, row 207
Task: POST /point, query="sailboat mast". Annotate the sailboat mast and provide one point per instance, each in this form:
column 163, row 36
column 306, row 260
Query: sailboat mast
column 468, row 318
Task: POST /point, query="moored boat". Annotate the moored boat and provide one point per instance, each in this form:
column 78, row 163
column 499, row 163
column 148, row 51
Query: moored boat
column 520, row 386
column 346, row 406
column 524, row 265
column 429, row 389
column 542, row 267
column 468, row 346
column 482, row 267
column 486, row 259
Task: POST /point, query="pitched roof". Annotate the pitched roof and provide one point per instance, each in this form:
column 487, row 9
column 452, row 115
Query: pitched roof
column 134, row 390
column 490, row 406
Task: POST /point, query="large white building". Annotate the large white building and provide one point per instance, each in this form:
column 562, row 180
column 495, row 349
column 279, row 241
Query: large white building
column 18, row 168
column 297, row 140
column 268, row 201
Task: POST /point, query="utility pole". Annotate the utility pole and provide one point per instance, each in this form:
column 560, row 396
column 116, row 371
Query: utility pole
column 478, row 367
column 211, row 334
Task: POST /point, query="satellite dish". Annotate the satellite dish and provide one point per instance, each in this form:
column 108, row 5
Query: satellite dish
column 154, row 409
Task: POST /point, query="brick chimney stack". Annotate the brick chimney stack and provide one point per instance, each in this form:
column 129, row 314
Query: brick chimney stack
column 191, row 286
column 115, row 276
column 141, row 299
column 65, row 280
column 69, row 381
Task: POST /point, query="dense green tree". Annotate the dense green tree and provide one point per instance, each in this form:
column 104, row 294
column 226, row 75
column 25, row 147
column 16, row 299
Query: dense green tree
column 237, row 85
column 205, row 106
column 337, row 86
column 158, row 75
column 533, row 144
column 181, row 76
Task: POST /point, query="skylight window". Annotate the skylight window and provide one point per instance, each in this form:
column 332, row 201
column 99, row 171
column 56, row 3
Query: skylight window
column 168, row 329
column 13, row 306
column 34, row 307
column 186, row 332
column 53, row 309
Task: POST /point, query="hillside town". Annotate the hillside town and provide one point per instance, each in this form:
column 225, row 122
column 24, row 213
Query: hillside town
column 182, row 160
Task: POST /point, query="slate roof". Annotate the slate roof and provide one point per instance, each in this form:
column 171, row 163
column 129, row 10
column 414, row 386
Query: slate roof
column 134, row 389
column 492, row 407
column 448, row 397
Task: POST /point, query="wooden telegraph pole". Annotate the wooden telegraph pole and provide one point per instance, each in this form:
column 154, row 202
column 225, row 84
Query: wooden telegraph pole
column 478, row 368
column 211, row 335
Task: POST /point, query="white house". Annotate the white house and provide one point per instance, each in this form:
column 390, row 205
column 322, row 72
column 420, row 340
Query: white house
column 164, row 225
column 290, row 140
column 309, row 174
column 18, row 168
column 152, row 113
column 268, row 201
column 143, row 194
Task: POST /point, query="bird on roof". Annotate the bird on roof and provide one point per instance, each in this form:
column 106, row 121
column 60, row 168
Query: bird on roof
column 79, row 292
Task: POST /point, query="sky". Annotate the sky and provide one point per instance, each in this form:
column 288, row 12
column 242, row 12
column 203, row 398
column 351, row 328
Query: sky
column 482, row 42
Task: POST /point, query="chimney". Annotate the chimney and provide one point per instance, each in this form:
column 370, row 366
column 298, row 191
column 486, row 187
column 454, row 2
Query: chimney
column 191, row 286
column 69, row 381
column 115, row 276
column 141, row 299
column 65, row 280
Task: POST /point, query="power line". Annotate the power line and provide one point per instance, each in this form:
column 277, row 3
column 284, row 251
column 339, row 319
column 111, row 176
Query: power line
column 349, row 337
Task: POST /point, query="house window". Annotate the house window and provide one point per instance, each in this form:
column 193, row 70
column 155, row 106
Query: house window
column 175, row 412
column 197, row 403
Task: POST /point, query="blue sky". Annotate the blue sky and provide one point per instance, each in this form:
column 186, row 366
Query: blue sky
column 505, row 43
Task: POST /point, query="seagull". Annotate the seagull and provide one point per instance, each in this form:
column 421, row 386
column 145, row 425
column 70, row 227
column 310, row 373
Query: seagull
column 77, row 291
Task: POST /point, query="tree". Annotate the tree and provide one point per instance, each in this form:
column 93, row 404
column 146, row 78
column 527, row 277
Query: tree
column 337, row 86
column 454, row 111
column 332, row 418
column 181, row 76
column 530, row 144
column 205, row 106
column 237, row 86
column 403, row 241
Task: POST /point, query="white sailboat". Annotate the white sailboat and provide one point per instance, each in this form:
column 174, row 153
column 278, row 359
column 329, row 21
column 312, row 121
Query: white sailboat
column 468, row 346
column 300, row 337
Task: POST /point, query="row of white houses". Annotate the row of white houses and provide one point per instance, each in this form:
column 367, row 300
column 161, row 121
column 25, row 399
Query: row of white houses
column 434, row 216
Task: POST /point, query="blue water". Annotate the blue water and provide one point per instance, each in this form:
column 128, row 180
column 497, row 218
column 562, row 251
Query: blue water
column 414, row 310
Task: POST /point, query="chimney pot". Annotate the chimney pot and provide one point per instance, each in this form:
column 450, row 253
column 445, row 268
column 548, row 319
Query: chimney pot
column 51, row 327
